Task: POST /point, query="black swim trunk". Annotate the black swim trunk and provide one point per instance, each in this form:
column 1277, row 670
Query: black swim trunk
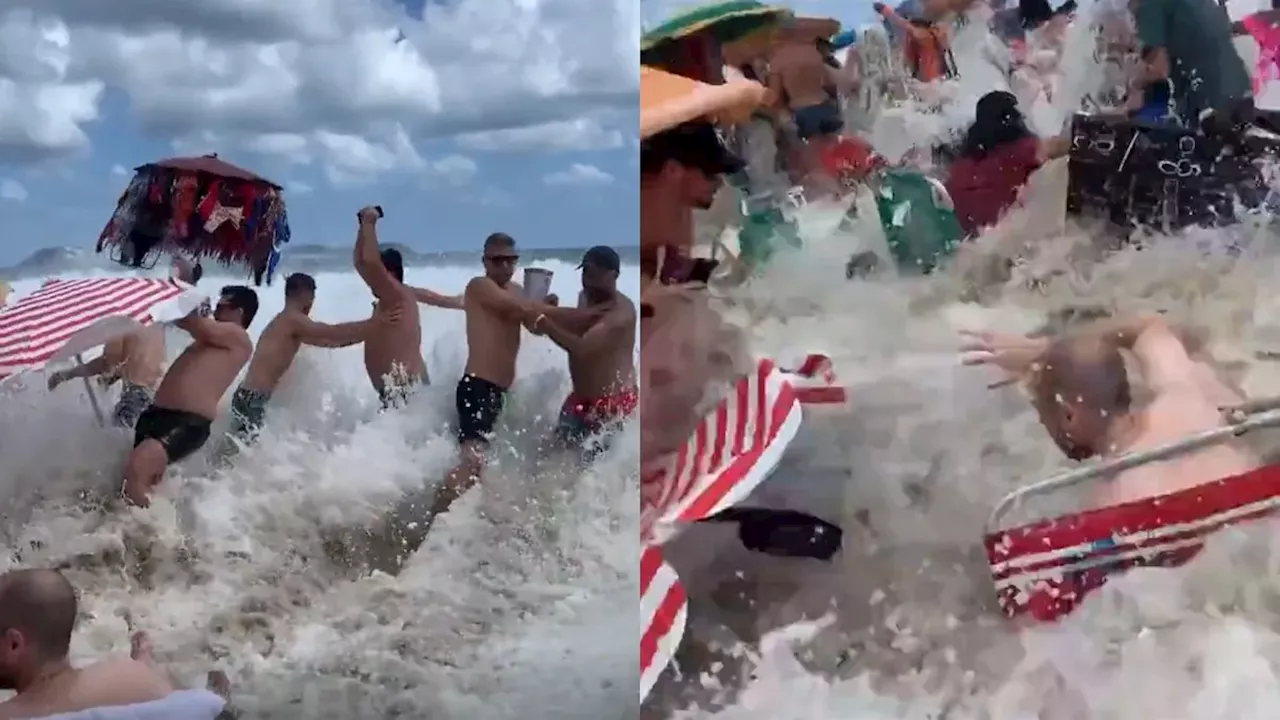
column 180, row 432
column 816, row 120
column 479, row 405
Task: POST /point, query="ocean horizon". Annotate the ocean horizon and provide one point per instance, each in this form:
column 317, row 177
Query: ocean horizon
column 308, row 258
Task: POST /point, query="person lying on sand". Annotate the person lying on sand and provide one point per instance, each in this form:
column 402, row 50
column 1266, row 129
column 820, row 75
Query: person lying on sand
column 1080, row 388
column 38, row 611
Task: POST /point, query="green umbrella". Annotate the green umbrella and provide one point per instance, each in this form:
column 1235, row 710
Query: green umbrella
column 725, row 21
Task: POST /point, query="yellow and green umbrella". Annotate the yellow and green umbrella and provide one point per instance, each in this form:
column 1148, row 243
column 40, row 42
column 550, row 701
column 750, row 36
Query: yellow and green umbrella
column 723, row 21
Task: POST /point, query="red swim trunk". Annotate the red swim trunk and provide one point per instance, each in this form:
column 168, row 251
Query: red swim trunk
column 582, row 417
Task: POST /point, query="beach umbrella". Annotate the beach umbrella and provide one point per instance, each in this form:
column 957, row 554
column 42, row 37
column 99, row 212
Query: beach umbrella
column 815, row 28
column 666, row 100
column 724, row 22
column 199, row 206
column 64, row 318
column 211, row 165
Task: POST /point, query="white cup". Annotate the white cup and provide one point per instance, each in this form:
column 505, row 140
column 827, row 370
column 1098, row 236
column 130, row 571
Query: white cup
column 537, row 283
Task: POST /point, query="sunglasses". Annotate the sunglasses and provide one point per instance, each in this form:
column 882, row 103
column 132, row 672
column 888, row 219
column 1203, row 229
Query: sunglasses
column 502, row 259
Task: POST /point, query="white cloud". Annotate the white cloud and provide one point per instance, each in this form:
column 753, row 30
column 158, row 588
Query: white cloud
column 298, row 188
column 347, row 159
column 576, row 134
column 119, row 171
column 318, row 79
column 455, row 170
column 579, row 174
column 12, row 190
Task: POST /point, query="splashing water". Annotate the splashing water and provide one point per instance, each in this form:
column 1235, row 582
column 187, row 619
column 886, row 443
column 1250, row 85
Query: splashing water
column 508, row 605
column 903, row 624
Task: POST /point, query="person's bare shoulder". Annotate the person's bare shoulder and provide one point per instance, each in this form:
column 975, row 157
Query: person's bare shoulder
column 124, row 681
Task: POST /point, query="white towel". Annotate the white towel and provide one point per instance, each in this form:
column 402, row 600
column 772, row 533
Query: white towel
column 180, row 705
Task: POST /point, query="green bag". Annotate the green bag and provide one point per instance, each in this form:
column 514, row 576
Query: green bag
column 918, row 218
column 764, row 228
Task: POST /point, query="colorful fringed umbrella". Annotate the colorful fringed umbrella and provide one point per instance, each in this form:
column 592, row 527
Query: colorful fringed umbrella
column 723, row 21
column 199, row 207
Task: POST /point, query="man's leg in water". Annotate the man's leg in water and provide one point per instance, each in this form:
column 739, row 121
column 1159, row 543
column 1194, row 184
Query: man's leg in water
column 462, row 478
column 143, row 471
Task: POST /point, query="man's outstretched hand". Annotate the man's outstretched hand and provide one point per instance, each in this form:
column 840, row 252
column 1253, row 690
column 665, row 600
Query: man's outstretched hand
column 370, row 214
column 1016, row 355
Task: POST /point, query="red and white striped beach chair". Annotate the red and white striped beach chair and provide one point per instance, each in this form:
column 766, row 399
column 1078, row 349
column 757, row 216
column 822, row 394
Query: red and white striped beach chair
column 734, row 449
column 1043, row 570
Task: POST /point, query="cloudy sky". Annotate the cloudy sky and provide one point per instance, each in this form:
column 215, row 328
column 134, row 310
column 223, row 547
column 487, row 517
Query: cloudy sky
column 460, row 117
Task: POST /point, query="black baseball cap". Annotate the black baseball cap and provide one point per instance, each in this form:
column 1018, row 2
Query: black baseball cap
column 603, row 257
column 692, row 144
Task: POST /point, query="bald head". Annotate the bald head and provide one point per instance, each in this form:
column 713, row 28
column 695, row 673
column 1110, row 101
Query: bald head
column 40, row 604
column 1086, row 371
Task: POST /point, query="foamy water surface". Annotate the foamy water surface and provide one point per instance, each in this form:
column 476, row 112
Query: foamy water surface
column 506, row 607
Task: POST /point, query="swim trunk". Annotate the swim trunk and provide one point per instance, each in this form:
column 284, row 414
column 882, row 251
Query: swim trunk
column 134, row 400
column 180, row 433
column 248, row 412
column 821, row 119
column 479, row 405
column 580, row 417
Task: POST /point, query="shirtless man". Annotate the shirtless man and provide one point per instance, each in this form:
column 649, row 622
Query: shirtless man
column 279, row 344
column 806, row 87
column 177, row 423
column 135, row 359
column 495, row 313
column 601, row 357
column 392, row 351
column 1083, row 396
column 39, row 611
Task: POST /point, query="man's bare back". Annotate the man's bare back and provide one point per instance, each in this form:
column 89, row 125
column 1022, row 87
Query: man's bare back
column 395, row 348
column 113, row 682
column 277, row 346
column 391, row 349
column 493, row 337
column 1172, row 415
column 801, row 74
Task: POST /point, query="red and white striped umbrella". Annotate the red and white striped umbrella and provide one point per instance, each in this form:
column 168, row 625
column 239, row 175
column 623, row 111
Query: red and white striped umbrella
column 663, row 612
column 35, row 328
column 733, row 450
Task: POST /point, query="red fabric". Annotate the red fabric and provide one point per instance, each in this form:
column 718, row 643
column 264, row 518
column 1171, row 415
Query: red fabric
column 601, row 410
column 848, row 158
column 983, row 189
